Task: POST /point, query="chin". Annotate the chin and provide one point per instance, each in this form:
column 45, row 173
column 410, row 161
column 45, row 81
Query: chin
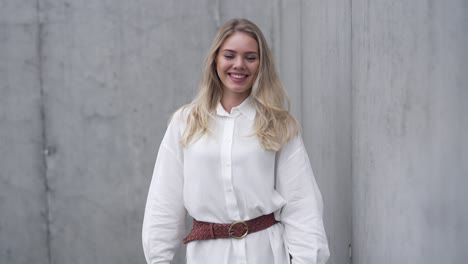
column 241, row 91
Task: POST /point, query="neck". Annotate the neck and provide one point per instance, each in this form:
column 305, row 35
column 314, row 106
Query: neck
column 228, row 101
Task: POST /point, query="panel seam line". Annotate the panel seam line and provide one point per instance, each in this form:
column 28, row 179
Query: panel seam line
column 40, row 56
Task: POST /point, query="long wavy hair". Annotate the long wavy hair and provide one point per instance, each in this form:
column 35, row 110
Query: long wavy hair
column 274, row 125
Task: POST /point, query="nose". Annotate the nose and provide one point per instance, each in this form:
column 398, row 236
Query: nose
column 239, row 63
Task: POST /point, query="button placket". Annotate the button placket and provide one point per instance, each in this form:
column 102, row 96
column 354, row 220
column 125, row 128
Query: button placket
column 226, row 160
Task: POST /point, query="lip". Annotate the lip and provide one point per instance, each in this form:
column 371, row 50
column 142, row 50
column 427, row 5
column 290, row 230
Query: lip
column 234, row 76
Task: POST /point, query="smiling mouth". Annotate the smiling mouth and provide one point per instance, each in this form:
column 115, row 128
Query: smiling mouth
column 238, row 76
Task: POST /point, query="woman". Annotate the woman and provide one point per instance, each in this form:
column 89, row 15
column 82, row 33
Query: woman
column 234, row 161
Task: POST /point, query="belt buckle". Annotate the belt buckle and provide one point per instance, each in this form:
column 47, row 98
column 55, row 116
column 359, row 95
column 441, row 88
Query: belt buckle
column 231, row 232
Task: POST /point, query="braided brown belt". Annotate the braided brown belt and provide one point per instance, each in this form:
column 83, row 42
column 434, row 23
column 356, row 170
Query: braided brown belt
column 205, row 230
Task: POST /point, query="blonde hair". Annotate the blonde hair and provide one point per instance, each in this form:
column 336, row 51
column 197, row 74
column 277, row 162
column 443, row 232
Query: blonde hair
column 274, row 125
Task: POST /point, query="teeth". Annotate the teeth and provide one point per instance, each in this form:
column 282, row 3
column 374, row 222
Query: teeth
column 238, row 76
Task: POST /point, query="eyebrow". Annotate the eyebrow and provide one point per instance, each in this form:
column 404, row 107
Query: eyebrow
column 233, row 51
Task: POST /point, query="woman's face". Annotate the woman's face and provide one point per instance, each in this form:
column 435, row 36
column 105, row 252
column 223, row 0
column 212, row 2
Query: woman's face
column 237, row 64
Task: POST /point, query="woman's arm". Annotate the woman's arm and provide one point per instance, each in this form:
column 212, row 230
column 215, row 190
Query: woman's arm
column 164, row 220
column 305, row 235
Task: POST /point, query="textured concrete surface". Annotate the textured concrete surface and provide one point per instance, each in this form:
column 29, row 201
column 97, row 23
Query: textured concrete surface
column 326, row 108
column 23, row 206
column 315, row 61
column 113, row 74
column 410, row 94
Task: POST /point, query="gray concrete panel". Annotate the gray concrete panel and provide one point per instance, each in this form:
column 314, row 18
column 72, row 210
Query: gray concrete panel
column 311, row 42
column 290, row 59
column 115, row 71
column 410, row 99
column 326, row 108
column 18, row 12
column 23, row 206
column 261, row 12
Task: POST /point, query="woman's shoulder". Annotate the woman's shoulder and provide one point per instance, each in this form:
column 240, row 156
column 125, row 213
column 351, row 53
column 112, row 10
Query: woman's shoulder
column 181, row 115
column 178, row 120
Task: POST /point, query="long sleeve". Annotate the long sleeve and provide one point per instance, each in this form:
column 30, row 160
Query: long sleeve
column 302, row 217
column 163, row 224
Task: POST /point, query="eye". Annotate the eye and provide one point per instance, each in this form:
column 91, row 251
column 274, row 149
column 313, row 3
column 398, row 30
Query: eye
column 251, row 58
column 228, row 56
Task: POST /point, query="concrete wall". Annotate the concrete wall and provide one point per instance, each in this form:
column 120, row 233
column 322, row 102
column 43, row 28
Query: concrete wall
column 23, row 206
column 113, row 72
column 88, row 87
column 410, row 145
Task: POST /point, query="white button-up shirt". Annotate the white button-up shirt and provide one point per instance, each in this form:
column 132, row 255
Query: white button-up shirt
column 227, row 176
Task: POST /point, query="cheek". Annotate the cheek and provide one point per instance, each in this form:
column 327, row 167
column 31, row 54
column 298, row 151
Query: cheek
column 255, row 68
column 220, row 67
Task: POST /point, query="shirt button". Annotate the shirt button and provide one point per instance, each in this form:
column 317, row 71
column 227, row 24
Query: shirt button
column 228, row 164
column 229, row 189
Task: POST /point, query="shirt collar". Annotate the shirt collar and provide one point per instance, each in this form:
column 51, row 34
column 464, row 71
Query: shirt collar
column 246, row 108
